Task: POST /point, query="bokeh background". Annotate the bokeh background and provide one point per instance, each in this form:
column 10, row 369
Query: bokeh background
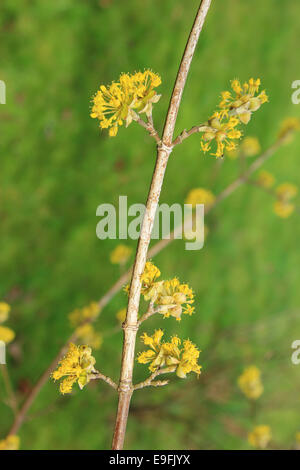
column 56, row 168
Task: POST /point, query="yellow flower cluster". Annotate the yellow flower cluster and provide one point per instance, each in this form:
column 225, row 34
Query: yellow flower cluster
column 4, row 311
column 12, row 442
column 171, row 297
column 234, row 109
column 148, row 279
column 250, row 146
column 86, row 333
column 250, row 383
column 265, row 179
column 119, row 102
column 120, row 255
column 297, row 439
column 7, row 335
column 185, row 359
column 174, row 298
column 221, row 129
column 260, row 437
column 246, row 100
column 288, row 127
column 85, row 314
column 121, row 315
column 77, row 366
column 200, row 196
column 285, row 192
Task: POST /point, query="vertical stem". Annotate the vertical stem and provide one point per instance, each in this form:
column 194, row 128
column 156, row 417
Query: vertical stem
column 130, row 325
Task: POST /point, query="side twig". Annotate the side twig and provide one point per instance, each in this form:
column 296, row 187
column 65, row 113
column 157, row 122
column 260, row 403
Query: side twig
column 151, row 382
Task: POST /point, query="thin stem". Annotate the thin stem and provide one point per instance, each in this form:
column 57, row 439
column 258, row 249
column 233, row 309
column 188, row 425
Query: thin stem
column 36, row 389
column 149, row 127
column 150, row 381
column 185, row 134
column 12, row 401
column 106, row 379
column 130, row 325
column 152, row 311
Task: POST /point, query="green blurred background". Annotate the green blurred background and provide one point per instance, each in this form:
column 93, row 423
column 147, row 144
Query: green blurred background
column 56, row 168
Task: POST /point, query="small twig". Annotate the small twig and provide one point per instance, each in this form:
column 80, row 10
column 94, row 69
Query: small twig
column 263, row 188
column 12, row 401
column 185, row 134
column 151, row 379
column 152, row 311
column 106, row 379
column 149, row 127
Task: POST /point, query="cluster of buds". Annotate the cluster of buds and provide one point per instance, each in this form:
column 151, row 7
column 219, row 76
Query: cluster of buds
column 76, row 366
column 120, row 255
column 80, row 316
column 171, row 298
column 122, row 101
column 246, row 100
column 7, row 335
column 200, row 196
column 12, row 442
column 236, row 106
column 260, row 437
column 222, row 130
column 250, row 383
column 183, row 359
column 285, row 193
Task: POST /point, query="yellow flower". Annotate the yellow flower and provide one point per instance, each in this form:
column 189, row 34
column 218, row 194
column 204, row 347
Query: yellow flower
column 174, row 298
column 250, row 146
column 200, row 196
column 190, row 234
column 286, row 191
column 12, row 442
column 250, row 383
column 260, row 437
column 120, row 255
column 246, row 100
column 297, row 439
column 265, row 179
column 184, row 359
column 283, row 209
column 6, row 334
column 121, row 315
column 148, row 279
column 283, row 206
column 85, row 314
column 122, row 100
column 77, row 366
column 87, row 334
column 4, row 311
column 224, row 133
column 288, row 127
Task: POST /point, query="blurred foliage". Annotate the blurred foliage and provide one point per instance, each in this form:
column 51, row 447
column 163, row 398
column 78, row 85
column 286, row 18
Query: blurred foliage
column 56, row 168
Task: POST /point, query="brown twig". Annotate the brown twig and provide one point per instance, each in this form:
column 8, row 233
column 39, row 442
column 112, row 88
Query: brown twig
column 105, row 378
column 151, row 382
column 163, row 151
column 149, row 127
column 185, row 134
column 12, row 401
